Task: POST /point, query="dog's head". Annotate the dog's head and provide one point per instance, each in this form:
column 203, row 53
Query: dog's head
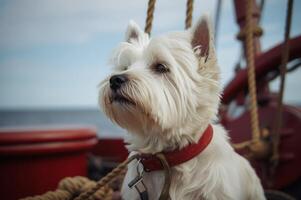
column 165, row 85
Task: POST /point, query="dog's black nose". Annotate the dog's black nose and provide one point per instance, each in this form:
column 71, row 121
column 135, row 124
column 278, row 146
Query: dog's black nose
column 117, row 81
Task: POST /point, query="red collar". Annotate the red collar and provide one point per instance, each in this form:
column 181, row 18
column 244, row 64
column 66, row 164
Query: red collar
column 152, row 163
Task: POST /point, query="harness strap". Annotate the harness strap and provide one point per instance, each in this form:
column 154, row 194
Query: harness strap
column 167, row 174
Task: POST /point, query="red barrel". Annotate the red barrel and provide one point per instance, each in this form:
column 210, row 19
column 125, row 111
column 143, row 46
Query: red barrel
column 33, row 161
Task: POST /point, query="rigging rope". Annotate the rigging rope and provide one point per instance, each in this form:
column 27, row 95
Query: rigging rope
column 149, row 16
column 283, row 70
column 256, row 146
column 261, row 7
column 217, row 19
column 251, row 71
column 189, row 11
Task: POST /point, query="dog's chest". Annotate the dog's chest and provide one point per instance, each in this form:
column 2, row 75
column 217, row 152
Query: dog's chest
column 154, row 181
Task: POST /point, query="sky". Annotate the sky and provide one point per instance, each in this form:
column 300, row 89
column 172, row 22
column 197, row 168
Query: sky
column 53, row 53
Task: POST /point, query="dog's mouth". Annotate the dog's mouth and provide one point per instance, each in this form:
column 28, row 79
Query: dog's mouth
column 118, row 98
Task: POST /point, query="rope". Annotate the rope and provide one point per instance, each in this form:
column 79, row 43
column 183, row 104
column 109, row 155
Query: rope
column 257, row 31
column 284, row 60
column 150, row 16
column 261, row 6
column 241, row 145
column 275, row 194
column 106, row 180
column 189, row 11
column 257, row 147
column 217, row 20
column 251, row 71
column 81, row 188
column 68, row 188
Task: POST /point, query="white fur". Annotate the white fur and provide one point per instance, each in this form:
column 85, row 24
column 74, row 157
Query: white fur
column 172, row 110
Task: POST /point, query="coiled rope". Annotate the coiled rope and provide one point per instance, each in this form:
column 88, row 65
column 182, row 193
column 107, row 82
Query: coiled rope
column 81, row 188
column 70, row 187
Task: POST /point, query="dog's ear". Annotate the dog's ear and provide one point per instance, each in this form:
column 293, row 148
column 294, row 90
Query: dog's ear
column 202, row 37
column 203, row 45
column 133, row 32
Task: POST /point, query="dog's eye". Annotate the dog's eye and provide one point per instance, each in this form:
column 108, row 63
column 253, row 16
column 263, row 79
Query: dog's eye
column 160, row 68
column 124, row 68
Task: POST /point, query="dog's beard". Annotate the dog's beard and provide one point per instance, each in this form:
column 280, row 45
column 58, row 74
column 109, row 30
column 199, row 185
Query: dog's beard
column 126, row 107
column 121, row 99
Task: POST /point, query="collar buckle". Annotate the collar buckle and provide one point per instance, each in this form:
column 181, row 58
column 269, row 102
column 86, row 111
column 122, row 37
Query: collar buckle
column 138, row 183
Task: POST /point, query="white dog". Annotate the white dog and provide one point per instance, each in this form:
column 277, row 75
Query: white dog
column 165, row 91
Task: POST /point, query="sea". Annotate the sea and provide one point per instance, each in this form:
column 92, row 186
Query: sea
column 58, row 118
column 63, row 118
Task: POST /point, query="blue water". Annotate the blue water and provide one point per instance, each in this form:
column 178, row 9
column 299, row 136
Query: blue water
column 57, row 118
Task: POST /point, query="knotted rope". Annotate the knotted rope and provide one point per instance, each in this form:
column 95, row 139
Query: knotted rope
column 247, row 33
column 256, row 144
column 257, row 31
column 257, row 147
